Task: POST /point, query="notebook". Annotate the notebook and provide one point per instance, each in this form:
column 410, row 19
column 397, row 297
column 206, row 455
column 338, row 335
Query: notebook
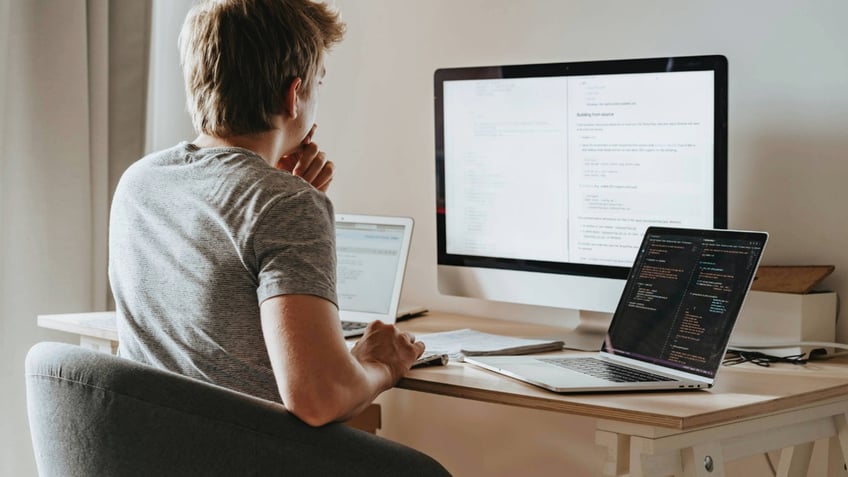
column 371, row 253
column 673, row 321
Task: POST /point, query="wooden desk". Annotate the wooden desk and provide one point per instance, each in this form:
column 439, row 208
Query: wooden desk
column 96, row 330
column 693, row 433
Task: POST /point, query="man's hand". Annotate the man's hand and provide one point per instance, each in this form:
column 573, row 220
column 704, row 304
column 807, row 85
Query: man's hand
column 389, row 346
column 309, row 163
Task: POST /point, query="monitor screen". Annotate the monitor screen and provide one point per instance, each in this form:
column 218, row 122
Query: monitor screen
column 556, row 170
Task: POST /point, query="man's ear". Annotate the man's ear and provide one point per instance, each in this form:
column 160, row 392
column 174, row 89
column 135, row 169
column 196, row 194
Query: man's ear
column 291, row 97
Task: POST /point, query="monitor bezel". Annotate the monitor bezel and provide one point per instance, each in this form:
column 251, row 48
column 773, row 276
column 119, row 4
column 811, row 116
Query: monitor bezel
column 715, row 63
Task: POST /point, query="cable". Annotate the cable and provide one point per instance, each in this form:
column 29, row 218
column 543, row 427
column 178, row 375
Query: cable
column 789, row 344
column 796, row 344
column 735, row 356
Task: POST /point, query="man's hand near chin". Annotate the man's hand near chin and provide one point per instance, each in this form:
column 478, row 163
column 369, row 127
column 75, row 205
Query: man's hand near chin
column 309, row 163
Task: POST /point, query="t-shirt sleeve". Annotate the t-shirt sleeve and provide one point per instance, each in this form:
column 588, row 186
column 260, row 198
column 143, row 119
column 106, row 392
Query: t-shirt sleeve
column 294, row 246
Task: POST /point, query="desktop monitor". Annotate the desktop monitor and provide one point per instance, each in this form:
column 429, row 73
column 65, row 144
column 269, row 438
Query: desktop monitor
column 549, row 174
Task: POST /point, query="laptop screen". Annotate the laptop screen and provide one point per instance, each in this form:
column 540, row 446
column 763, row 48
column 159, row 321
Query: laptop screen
column 368, row 257
column 682, row 297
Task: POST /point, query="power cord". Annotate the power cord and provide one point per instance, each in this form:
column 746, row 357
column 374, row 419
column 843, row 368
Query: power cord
column 794, row 344
column 738, row 356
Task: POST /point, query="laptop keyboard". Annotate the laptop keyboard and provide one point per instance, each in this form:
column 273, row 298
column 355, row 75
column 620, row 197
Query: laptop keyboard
column 607, row 371
column 353, row 325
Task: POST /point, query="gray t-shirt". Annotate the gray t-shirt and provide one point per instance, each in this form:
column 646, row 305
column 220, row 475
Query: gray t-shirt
column 198, row 239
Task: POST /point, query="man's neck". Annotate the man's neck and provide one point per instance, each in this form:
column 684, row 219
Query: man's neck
column 268, row 145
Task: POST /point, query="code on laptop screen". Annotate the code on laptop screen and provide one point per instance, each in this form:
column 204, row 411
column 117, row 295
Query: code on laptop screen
column 683, row 296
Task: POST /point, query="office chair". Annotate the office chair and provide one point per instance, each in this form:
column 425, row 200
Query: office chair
column 92, row 413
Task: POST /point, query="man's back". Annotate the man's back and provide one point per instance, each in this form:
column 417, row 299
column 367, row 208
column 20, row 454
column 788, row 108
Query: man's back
column 222, row 258
column 198, row 239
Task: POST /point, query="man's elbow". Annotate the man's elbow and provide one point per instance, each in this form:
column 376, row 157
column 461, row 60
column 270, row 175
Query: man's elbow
column 312, row 417
column 313, row 411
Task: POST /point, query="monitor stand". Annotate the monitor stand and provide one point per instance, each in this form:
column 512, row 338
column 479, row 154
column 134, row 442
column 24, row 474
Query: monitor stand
column 589, row 333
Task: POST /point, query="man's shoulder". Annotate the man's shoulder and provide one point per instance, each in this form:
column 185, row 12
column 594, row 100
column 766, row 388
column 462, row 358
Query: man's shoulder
column 235, row 176
column 155, row 158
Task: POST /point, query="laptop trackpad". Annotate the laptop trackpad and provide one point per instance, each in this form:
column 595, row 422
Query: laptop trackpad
column 539, row 372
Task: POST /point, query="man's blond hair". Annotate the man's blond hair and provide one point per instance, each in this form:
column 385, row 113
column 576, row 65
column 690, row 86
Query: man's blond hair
column 240, row 56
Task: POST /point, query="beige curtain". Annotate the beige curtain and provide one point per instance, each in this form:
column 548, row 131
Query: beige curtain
column 73, row 77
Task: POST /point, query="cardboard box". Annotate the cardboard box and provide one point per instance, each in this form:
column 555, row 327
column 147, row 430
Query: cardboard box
column 769, row 317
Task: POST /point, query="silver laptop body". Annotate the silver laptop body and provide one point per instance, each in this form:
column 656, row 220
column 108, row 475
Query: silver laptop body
column 673, row 322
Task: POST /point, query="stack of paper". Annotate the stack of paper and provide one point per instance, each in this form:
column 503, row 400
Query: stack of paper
column 468, row 342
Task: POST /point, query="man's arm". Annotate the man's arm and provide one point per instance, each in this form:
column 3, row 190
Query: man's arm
column 319, row 379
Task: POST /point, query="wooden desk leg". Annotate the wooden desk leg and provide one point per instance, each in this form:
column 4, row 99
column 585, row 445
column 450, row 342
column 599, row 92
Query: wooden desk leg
column 841, row 423
column 703, row 460
column 795, row 461
column 368, row 420
column 645, row 461
column 99, row 344
column 703, row 452
column 835, row 462
column 618, row 452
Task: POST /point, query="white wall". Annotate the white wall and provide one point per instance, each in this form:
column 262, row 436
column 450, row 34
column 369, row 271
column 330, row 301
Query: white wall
column 788, row 150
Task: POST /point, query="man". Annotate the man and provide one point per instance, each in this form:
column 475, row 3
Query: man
column 222, row 253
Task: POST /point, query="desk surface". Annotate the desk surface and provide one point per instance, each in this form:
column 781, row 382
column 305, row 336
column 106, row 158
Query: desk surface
column 741, row 391
column 99, row 324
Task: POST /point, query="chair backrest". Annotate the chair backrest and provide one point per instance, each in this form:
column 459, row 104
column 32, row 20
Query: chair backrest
column 93, row 413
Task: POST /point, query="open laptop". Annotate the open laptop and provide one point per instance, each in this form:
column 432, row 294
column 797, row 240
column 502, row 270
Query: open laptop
column 371, row 253
column 673, row 321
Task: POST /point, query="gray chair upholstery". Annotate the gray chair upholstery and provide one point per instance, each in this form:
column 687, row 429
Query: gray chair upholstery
column 94, row 414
